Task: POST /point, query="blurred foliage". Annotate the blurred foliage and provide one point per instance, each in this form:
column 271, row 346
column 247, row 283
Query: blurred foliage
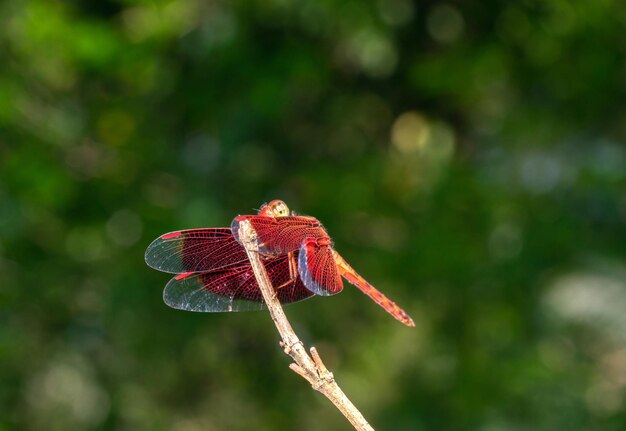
column 467, row 157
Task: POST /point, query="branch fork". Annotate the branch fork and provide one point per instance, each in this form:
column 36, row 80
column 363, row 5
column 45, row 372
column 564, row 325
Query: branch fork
column 310, row 367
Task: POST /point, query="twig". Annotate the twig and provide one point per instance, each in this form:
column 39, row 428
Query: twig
column 311, row 367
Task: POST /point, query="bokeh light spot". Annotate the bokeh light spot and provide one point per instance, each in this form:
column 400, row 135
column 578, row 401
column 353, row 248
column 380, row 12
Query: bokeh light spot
column 115, row 127
column 396, row 12
column 85, row 244
column 124, row 228
column 597, row 299
column 373, row 52
column 410, row 132
column 540, row 172
column 163, row 189
column 66, row 396
column 505, row 241
column 445, row 23
column 87, row 160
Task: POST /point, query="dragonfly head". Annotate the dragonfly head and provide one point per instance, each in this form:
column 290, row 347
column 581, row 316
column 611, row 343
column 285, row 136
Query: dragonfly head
column 276, row 208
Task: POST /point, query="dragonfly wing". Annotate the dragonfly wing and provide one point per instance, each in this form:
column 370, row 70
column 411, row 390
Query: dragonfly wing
column 211, row 292
column 233, row 288
column 317, row 268
column 194, row 250
column 278, row 235
column 287, row 283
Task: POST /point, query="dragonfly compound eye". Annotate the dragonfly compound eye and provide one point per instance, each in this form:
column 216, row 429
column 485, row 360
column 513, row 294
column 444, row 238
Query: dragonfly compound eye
column 279, row 208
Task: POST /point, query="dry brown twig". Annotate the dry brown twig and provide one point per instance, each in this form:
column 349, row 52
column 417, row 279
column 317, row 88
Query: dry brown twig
column 310, row 367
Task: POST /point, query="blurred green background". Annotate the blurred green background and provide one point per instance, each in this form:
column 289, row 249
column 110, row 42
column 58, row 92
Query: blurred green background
column 467, row 157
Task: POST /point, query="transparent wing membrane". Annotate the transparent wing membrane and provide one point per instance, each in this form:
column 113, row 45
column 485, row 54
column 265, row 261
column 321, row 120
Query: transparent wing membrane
column 194, row 250
column 212, row 292
column 233, row 288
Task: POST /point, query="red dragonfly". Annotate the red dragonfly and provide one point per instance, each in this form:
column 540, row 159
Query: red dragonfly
column 214, row 274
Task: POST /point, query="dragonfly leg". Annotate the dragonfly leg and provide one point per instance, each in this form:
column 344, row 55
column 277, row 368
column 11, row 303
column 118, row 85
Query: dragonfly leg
column 293, row 266
column 293, row 272
column 287, row 283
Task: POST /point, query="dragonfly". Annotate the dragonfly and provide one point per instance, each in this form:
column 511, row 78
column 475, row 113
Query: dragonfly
column 213, row 273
